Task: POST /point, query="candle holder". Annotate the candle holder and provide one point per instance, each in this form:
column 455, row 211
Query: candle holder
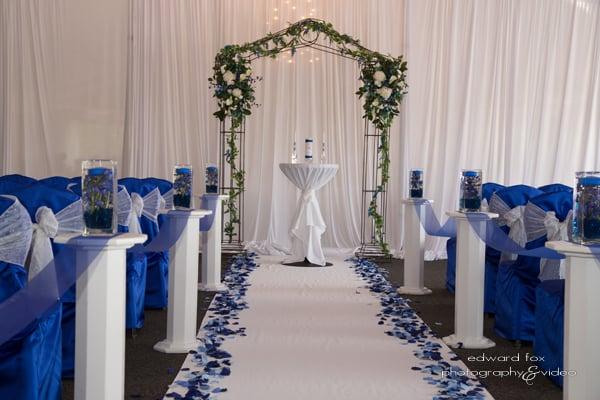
column 308, row 150
column 470, row 190
column 586, row 222
column 212, row 179
column 182, row 186
column 98, row 189
column 415, row 183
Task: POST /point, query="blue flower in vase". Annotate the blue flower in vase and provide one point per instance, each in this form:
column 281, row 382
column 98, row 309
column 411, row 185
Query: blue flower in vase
column 182, row 187
column 97, row 199
column 589, row 202
column 416, row 184
column 470, row 199
column 212, row 179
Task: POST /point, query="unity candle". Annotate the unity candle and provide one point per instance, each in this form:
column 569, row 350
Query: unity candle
column 586, row 223
column 98, row 188
column 415, row 183
column 212, row 178
column 308, row 151
column 470, row 190
column 182, row 186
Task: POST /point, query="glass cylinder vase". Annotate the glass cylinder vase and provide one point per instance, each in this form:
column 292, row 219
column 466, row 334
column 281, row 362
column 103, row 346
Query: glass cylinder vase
column 586, row 221
column 415, row 183
column 470, row 190
column 182, row 186
column 212, row 179
column 98, row 189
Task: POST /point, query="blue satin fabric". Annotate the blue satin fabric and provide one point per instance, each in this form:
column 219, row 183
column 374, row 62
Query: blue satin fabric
column 157, row 272
column 549, row 326
column 556, row 187
column 59, row 182
column 16, row 178
column 30, row 363
column 517, row 281
column 492, row 258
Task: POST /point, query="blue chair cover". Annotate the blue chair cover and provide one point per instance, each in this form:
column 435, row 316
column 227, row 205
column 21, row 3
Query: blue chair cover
column 34, row 197
column 492, row 258
column 59, row 182
column 157, row 272
column 30, row 362
column 549, row 326
column 135, row 279
column 17, row 178
column 516, row 281
column 556, row 187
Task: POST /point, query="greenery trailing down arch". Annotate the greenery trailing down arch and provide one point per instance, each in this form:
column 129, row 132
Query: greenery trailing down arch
column 383, row 86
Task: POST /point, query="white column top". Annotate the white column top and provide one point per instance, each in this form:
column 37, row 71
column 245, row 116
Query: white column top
column 572, row 249
column 117, row 241
column 220, row 196
column 475, row 215
column 411, row 200
column 193, row 213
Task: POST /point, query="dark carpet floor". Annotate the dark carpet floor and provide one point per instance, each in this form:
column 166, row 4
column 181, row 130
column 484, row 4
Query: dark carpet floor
column 148, row 372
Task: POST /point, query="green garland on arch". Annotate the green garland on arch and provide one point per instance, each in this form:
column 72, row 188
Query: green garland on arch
column 383, row 86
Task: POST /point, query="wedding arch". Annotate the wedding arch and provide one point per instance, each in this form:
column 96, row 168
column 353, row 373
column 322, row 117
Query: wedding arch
column 383, row 85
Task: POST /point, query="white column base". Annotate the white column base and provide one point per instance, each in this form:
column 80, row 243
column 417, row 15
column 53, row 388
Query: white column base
column 169, row 346
column 100, row 314
column 212, row 287
column 183, row 278
column 470, row 281
column 468, row 343
column 211, row 252
column 582, row 321
column 414, row 291
column 414, row 248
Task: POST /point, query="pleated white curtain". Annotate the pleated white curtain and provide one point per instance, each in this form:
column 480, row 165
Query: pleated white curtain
column 63, row 83
column 512, row 87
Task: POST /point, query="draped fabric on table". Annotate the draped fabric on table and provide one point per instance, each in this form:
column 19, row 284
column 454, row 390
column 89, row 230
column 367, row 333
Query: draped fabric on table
column 546, row 218
column 492, row 84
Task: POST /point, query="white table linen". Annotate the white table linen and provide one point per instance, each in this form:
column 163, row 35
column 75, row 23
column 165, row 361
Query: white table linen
column 308, row 224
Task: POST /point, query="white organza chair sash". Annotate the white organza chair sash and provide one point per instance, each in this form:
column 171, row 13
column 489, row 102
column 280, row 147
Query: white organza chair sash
column 167, row 203
column 514, row 219
column 149, row 206
column 16, row 231
column 539, row 223
column 123, row 206
column 47, row 226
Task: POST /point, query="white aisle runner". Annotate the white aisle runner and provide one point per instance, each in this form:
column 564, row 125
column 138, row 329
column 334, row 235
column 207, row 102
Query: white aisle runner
column 328, row 333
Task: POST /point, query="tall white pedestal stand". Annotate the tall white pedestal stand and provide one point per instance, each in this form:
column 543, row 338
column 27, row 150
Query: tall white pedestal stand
column 582, row 321
column 414, row 248
column 470, row 281
column 183, row 277
column 211, row 251
column 100, row 314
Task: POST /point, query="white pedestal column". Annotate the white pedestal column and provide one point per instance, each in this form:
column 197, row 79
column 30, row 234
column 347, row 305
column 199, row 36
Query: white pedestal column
column 211, row 252
column 582, row 321
column 183, row 280
column 100, row 314
column 470, row 282
column 414, row 248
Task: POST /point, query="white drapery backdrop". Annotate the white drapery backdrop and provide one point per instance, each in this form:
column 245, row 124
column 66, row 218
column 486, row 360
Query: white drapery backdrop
column 512, row 87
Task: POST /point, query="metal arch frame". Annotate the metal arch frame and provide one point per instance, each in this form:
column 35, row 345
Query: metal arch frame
column 369, row 246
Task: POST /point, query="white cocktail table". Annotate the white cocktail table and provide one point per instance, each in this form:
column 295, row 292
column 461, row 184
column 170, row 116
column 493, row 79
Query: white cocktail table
column 308, row 224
